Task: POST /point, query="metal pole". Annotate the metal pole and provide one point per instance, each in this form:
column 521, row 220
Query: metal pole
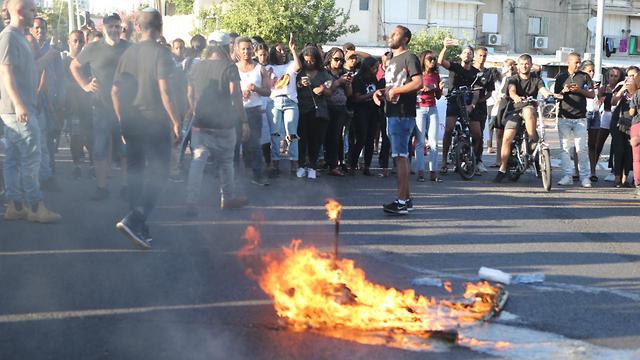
column 72, row 19
column 78, row 14
column 599, row 39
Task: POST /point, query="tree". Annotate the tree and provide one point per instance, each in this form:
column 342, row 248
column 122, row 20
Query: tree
column 183, row 7
column 57, row 18
column 317, row 21
column 432, row 39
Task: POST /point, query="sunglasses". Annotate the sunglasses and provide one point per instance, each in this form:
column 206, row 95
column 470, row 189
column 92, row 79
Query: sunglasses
column 429, row 58
column 336, row 59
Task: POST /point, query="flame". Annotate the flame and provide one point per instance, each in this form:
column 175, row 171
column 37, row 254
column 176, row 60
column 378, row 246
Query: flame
column 333, row 209
column 312, row 290
column 252, row 236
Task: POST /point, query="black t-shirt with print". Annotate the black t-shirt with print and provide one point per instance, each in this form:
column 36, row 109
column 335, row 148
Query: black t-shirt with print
column 102, row 60
column 573, row 105
column 210, row 81
column 365, row 85
column 400, row 70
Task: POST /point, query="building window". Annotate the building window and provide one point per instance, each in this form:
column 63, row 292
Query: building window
column 535, row 24
column 422, row 9
column 364, row 5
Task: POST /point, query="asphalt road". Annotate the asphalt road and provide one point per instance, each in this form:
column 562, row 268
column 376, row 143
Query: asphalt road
column 80, row 290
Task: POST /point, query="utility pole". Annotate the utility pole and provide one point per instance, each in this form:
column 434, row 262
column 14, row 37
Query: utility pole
column 71, row 15
column 599, row 38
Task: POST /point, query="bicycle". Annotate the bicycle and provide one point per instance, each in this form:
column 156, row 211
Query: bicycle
column 521, row 159
column 461, row 153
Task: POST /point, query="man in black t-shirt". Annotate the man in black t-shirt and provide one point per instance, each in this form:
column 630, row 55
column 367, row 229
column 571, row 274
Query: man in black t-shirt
column 403, row 79
column 215, row 100
column 147, row 119
column 460, row 74
column 487, row 82
column 574, row 87
column 519, row 87
column 102, row 59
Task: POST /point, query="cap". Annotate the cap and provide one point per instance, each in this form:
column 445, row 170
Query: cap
column 219, row 38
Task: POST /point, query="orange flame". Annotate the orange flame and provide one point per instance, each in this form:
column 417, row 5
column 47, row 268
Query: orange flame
column 312, row 290
column 252, row 236
column 333, row 209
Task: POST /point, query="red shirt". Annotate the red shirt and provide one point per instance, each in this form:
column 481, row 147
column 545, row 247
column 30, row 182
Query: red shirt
column 428, row 99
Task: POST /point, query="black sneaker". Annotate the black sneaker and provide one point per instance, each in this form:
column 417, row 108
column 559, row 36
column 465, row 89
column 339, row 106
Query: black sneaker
column 260, row 181
column 132, row 226
column 499, row 177
column 100, row 194
column 396, row 208
column 409, row 205
column 146, row 234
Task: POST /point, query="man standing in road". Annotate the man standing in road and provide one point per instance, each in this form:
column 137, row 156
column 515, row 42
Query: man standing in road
column 148, row 121
column 102, row 58
column 403, row 80
column 480, row 112
column 574, row 87
column 18, row 82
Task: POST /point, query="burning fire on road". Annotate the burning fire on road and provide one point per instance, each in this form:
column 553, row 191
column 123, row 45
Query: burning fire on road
column 316, row 291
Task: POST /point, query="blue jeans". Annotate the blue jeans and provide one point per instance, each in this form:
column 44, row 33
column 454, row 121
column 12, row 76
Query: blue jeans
column 399, row 130
column 573, row 133
column 285, row 117
column 219, row 143
column 251, row 148
column 427, row 126
column 22, row 158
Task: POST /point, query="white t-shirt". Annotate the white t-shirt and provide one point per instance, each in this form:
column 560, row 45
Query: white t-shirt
column 252, row 77
column 284, row 82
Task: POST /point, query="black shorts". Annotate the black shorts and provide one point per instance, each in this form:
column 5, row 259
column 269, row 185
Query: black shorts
column 478, row 114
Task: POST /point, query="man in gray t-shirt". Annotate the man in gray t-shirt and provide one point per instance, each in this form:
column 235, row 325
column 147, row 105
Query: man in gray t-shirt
column 18, row 81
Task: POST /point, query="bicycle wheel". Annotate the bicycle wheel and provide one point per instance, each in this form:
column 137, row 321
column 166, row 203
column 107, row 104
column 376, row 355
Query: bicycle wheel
column 545, row 168
column 465, row 159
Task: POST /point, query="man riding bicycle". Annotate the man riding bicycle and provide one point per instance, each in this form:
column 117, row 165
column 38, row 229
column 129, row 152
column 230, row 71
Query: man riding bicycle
column 460, row 74
column 519, row 88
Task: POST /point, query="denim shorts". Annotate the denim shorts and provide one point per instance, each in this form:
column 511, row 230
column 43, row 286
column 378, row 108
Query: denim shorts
column 399, row 130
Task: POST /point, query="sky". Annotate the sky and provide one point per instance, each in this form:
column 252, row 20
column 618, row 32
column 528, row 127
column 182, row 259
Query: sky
column 102, row 6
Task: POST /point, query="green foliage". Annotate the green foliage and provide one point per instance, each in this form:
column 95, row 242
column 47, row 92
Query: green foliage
column 183, row 7
column 317, row 21
column 57, row 19
column 432, row 39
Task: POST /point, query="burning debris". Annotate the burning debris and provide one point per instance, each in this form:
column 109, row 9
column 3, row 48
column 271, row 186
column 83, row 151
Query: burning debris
column 317, row 291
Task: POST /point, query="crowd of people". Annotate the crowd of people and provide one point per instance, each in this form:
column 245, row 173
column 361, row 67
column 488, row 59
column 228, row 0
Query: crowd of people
column 130, row 98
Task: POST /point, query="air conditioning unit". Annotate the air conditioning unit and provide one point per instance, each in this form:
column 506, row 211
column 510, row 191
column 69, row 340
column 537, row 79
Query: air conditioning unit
column 494, row 39
column 540, row 42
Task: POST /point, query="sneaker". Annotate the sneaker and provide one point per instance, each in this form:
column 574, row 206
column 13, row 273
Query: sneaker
column 76, row 173
column 311, row 174
column 100, row 194
column 409, row 205
column 132, row 226
column 499, row 177
column 421, row 178
column 176, row 178
column 480, row 167
column 302, row 172
column 566, row 180
column 42, row 214
column 12, row 213
column 396, row 208
column 146, row 234
column 235, row 203
column 586, row 183
column 260, row 180
column 610, row 178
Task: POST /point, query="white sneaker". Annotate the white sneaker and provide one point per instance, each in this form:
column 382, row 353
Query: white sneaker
column 586, row 183
column 311, row 174
column 610, row 178
column 302, row 172
column 480, row 166
column 565, row 181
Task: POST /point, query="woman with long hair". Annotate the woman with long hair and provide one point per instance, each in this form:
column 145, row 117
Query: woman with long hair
column 337, row 102
column 261, row 51
column 285, row 113
column 635, row 136
column 427, row 116
column 614, row 77
column 365, row 84
column 314, row 86
column 620, row 146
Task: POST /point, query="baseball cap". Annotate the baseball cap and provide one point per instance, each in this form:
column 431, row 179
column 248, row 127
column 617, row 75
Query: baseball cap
column 219, row 38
